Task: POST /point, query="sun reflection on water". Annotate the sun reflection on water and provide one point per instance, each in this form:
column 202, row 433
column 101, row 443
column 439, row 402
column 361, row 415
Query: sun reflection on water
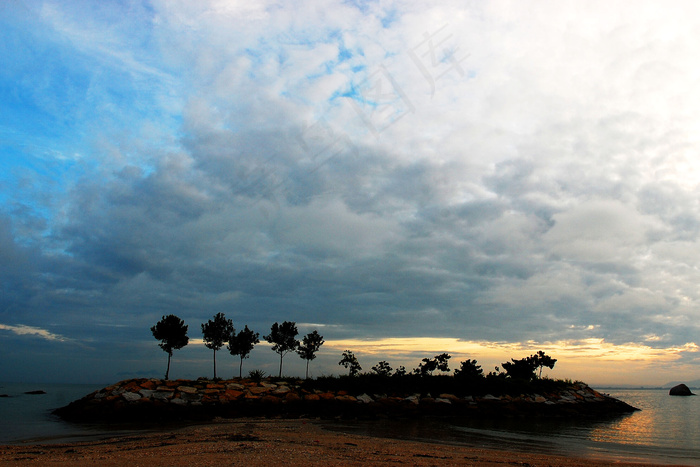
column 663, row 420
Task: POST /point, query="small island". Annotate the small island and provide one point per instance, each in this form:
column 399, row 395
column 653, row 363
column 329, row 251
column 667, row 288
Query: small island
column 517, row 391
column 361, row 397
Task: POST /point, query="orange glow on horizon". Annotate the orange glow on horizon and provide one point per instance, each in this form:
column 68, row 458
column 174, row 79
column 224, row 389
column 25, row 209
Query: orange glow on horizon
column 592, row 360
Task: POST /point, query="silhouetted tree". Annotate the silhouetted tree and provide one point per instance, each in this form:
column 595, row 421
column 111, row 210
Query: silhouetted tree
column 400, row 371
column 439, row 362
column 171, row 331
column 542, row 360
column 308, row 348
column 496, row 374
column 469, row 370
column 242, row 344
column 284, row 339
column 525, row 368
column 349, row 361
column 520, row 369
column 382, row 368
column 216, row 333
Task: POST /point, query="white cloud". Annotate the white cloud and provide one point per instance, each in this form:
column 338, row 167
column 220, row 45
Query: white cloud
column 599, row 231
column 24, row 330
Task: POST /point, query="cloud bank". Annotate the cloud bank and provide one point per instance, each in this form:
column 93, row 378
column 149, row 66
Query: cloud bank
column 510, row 172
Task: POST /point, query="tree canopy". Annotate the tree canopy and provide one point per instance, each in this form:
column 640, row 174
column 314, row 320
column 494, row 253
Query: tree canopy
column 382, row 368
column 542, row 360
column 428, row 365
column 242, row 344
column 216, row 333
column 350, row 362
column 171, row 331
column 283, row 338
column 525, row 368
column 469, row 370
column 310, row 344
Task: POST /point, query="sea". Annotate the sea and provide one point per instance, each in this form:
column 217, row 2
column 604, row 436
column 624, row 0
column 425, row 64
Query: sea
column 666, row 430
column 27, row 418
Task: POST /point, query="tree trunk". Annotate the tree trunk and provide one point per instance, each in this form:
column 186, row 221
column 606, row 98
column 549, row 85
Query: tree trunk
column 240, row 369
column 214, row 364
column 281, row 357
column 167, row 371
column 307, row 369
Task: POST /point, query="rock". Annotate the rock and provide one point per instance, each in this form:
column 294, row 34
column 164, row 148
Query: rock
column 162, row 395
column 232, row 394
column 35, row 392
column 131, row 396
column 450, row 397
column 365, row 398
column 414, row 399
column 188, row 397
column 680, row 390
column 345, row 397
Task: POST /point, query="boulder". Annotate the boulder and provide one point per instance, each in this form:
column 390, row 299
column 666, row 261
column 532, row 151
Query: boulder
column 131, row 396
column 680, row 390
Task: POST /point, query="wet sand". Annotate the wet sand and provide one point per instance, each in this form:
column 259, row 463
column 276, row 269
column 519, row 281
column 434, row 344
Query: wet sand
column 272, row 442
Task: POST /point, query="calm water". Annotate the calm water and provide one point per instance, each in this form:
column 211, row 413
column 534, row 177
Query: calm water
column 26, row 417
column 666, row 430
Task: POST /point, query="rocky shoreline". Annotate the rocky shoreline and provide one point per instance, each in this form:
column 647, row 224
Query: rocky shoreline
column 156, row 400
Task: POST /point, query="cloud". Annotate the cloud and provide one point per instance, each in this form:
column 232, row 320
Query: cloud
column 22, row 330
column 534, row 182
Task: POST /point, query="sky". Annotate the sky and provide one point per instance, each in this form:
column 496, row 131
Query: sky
column 482, row 178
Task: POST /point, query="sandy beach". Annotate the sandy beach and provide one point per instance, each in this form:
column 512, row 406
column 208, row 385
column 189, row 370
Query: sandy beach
column 271, row 442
